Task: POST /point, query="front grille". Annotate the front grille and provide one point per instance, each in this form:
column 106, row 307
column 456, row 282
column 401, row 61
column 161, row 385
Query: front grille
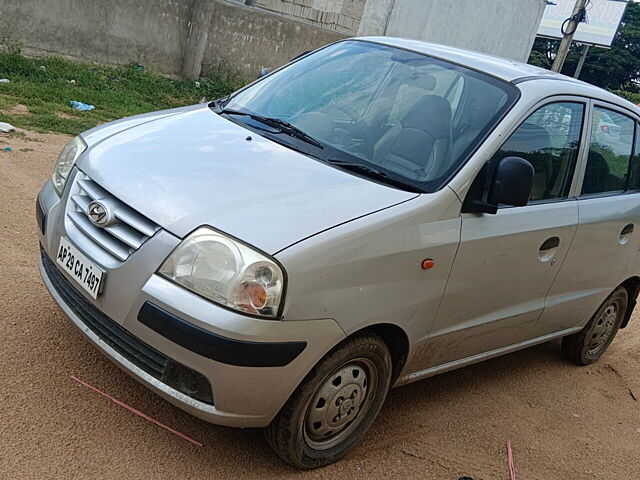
column 150, row 360
column 120, row 239
column 143, row 356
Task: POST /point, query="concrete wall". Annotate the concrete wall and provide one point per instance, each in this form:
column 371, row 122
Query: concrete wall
column 155, row 33
column 340, row 15
column 505, row 28
column 106, row 31
column 251, row 39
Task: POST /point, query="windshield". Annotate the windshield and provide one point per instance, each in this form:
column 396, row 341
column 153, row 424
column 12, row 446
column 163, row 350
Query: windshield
column 400, row 115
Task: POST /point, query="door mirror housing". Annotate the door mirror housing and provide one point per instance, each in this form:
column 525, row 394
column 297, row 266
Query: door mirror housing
column 509, row 183
column 512, row 182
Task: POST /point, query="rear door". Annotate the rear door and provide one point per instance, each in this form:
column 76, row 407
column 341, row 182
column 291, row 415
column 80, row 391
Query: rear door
column 507, row 262
column 608, row 234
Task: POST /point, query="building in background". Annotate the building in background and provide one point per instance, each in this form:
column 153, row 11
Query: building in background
column 187, row 37
column 506, row 28
column 342, row 16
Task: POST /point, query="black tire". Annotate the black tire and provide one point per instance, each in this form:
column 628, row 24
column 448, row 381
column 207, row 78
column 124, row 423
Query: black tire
column 295, row 436
column 589, row 344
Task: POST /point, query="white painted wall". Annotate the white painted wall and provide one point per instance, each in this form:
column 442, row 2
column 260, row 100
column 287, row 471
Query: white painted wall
column 506, row 28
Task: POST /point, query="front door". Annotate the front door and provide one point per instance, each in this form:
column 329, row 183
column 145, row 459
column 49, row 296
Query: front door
column 507, row 262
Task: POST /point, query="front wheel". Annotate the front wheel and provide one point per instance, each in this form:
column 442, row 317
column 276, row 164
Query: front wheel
column 335, row 405
column 588, row 345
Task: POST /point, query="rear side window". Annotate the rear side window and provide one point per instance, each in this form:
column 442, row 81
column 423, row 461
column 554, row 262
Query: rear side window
column 610, row 151
column 549, row 139
column 454, row 94
column 634, row 170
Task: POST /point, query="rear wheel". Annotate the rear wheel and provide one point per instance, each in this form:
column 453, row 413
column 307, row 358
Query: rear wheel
column 335, row 405
column 588, row 345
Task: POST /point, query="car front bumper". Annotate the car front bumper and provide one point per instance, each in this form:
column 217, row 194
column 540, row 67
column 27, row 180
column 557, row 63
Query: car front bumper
column 145, row 323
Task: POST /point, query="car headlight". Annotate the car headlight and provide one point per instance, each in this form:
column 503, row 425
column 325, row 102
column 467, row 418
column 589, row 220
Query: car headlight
column 65, row 163
column 227, row 272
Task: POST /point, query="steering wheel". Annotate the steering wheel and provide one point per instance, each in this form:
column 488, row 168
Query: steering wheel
column 356, row 133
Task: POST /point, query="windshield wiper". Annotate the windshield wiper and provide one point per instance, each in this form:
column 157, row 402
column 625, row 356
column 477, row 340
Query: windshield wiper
column 357, row 166
column 282, row 125
column 372, row 171
column 218, row 104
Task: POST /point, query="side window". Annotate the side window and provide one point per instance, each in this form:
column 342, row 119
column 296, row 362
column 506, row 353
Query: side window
column 612, row 138
column 634, row 170
column 455, row 93
column 549, row 139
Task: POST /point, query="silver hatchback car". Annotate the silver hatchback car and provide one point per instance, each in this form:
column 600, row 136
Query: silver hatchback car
column 373, row 213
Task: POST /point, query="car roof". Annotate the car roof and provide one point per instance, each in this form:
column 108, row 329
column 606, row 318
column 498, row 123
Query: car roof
column 505, row 69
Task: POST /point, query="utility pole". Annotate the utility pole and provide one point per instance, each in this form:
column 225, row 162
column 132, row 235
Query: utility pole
column 375, row 17
column 583, row 57
column 201, row 14
column 572, row 26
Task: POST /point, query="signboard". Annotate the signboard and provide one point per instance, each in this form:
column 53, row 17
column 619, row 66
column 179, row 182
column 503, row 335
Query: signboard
column 603, row 20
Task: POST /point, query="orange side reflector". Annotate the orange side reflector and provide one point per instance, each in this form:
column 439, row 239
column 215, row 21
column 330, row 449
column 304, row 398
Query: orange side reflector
column 428, row 263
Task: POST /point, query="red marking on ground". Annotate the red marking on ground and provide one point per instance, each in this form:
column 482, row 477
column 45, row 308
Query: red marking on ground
column 512, row 468
column 138, row 412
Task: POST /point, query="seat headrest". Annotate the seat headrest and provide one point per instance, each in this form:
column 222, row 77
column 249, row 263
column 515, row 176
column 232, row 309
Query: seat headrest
column 596, row 164
column 595, row 174
column 431, row 114
column 529, row 138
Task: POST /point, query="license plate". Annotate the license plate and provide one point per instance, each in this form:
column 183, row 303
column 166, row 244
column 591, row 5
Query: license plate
column 86, row 273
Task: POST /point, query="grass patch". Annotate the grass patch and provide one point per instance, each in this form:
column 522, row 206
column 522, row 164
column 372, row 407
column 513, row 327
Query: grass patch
column 116, row 92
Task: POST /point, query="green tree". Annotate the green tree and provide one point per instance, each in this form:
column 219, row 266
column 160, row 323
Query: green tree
column 617, row 68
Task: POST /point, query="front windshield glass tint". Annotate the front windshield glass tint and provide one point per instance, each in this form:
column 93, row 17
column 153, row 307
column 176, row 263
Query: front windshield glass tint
column 413, row 117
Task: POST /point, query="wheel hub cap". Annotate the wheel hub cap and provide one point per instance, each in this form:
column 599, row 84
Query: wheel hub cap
column 334, row 410
column 603, row 328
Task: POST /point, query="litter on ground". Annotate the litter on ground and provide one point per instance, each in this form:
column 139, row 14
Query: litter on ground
column 81, row 106
column 6, row 127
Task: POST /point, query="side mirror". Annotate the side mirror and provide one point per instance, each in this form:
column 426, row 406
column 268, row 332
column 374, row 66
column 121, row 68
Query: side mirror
column 512, row 182
column 508, row 183
column 263, row 72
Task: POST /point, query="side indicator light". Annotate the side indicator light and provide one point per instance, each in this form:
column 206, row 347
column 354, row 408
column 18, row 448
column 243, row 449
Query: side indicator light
column 428, row 263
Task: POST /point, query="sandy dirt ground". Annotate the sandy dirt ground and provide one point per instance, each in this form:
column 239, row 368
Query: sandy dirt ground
column 565, row 422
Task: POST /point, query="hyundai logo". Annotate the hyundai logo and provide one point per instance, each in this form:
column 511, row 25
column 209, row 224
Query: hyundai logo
column 99, row 214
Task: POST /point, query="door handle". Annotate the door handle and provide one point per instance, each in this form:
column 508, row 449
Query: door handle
column 625, row 234
column 549, row 243
column 548, row 250
column 627, row 229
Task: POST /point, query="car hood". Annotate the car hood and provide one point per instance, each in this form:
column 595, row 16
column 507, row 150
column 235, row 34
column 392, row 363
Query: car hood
column 192, row 167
